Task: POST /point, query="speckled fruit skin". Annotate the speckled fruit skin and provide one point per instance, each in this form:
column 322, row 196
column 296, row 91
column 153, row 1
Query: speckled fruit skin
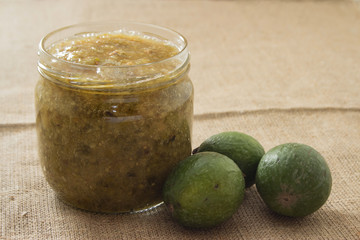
column 204, row 190
column 243, row 149
column 293, row 179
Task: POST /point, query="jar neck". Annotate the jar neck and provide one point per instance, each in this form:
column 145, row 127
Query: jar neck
column 114, row 79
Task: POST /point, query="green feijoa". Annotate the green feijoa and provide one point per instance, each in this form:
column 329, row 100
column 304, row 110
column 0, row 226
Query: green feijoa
column 293, row 179
column 243, row 149
column 204, row 190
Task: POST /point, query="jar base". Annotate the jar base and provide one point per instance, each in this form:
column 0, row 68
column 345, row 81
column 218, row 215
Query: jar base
column 152, row 207
column 131, row 211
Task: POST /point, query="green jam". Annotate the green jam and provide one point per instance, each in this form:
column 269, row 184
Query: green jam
column 111, row 151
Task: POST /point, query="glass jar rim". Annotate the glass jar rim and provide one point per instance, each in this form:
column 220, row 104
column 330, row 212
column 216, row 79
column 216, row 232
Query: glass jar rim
column 122, row 76
column 43, row 50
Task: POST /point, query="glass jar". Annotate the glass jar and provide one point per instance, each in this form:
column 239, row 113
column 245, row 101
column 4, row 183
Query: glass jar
column 108, row 136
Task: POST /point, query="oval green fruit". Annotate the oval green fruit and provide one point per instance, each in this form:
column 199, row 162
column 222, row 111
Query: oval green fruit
column 204, row 190
column 243, row 149
column 293, row 179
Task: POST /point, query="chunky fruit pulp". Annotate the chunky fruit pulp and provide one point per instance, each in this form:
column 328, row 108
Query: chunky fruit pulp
column 111, row 151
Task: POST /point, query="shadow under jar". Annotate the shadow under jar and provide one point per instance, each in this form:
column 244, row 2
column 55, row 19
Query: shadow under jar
column 114, row 108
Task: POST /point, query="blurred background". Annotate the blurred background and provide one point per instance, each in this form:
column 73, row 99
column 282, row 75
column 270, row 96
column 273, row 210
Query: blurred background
column 276, row 54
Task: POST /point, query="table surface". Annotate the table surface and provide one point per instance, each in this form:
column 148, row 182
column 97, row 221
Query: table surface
column 281, row 71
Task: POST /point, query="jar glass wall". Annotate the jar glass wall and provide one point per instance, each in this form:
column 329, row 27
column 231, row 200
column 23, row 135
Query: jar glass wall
column 108, row 136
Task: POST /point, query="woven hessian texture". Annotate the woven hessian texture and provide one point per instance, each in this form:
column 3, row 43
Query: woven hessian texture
column 280, row 71
column 31, row 211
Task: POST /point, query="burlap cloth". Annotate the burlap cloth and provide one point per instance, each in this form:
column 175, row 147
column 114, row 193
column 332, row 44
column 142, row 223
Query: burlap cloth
column 281, row 71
